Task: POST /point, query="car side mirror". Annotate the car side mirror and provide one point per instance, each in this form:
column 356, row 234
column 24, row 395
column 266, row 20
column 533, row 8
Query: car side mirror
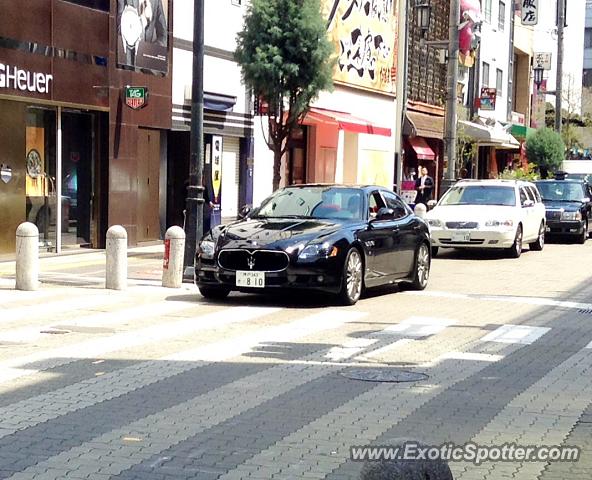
column 244, row 211
column 586, row 199
column 528, row 203
column 385, row 213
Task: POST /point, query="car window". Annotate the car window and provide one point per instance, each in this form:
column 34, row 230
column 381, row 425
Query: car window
column 523, row 196
column 480, row 194
column 375, row 203
column 535, row 193
column 562, row 191
column 397, row 205
column 530, row 193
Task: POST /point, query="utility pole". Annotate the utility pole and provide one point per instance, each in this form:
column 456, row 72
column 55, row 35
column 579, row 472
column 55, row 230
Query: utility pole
column 559, row 81
column 195, row 189
column 401, row 89
column 451, row 102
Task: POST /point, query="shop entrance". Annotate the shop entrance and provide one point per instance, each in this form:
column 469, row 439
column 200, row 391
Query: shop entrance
column 148, row 184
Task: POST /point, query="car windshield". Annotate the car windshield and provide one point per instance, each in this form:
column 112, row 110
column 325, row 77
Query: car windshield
column 561, row 191
column 314, row 202
column 480, row 195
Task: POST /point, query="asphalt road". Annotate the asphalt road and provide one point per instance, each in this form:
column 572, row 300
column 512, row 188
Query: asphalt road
column 153, row 384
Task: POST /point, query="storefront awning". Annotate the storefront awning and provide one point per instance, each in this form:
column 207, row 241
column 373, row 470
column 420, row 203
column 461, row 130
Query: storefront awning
column 422, row 149
column 521, row 132
column 345, row 121
column 419, row 124
column 486, row 136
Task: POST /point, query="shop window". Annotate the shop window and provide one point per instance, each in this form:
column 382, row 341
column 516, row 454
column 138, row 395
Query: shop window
column 94, row 4
column 485, row 76
column 499, row 82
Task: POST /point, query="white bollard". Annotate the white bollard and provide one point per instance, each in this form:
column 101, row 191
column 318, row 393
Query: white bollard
column 116, row 274
column 420, row 210
column 27, row 256
column 174, row 252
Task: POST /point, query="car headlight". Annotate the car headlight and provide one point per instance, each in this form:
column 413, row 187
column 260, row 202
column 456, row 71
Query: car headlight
column 207, row 249
column 571, row 216
column 434, row 222
column 318, row 250
column 499, row 223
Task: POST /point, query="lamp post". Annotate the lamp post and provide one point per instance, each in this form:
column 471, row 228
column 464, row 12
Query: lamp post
column 195, row 189
column 423, row 14
column 538, row 76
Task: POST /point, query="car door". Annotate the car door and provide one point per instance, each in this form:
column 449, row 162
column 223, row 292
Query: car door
column 381, row 238
column 408, row 226
column 528, row 214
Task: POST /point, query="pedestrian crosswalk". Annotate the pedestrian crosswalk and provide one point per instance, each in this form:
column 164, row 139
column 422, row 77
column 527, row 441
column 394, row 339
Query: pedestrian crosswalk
column 184, row 374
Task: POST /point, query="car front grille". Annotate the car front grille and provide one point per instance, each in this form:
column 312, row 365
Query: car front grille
column 254, row 260
column 472, row 241
column 553, row 215
column 463, row 225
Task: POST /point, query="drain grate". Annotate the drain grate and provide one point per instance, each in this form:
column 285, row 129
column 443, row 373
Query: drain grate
column 55, row 331
column 585, row 311
column 390, row 375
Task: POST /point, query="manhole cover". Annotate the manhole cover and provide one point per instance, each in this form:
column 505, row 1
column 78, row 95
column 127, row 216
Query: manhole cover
column 383, row 375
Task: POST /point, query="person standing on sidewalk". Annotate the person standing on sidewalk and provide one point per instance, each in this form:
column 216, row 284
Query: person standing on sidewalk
column 424, row 186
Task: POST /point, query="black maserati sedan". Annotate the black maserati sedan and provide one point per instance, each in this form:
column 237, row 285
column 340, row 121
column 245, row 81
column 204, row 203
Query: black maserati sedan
column 337, row 239
column 568, row 205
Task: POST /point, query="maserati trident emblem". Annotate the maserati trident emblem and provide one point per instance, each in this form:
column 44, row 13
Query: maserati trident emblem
column 251, row 263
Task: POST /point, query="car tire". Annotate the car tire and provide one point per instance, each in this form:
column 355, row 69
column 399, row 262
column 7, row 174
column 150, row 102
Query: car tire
column 584, row 236
column 421, row 268
column 352, row 281
column 434, row 251
column 211, row 292
column 516, row 249
column 540, row 242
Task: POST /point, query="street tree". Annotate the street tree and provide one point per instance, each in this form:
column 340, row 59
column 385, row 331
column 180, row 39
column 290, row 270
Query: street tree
column 286, row 59
column 546, row 150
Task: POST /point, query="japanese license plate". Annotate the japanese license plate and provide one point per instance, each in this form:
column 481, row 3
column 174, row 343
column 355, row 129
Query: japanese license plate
column 250, row 279
column 461, row 237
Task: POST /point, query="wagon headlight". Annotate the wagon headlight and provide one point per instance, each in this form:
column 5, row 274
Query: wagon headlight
column 571, row 215
column 318, row 250
column 207, row 249
column 434, row 222
column 499, row 223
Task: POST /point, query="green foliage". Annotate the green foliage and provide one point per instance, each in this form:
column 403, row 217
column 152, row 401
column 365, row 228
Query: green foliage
column 545, row 149
column 287, row 60
column 571, row 137
column 529, row 173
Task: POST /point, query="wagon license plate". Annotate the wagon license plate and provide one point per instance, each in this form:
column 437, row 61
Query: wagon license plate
column 250, row 279
column 461, row 237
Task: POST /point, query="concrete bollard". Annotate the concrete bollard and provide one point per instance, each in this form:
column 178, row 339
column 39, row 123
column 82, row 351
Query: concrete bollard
column 116, row 274
column 420, row 210
column 174, row 252
column 27, row 256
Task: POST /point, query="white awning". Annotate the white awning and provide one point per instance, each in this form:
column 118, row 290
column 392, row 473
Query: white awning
column 487, row 136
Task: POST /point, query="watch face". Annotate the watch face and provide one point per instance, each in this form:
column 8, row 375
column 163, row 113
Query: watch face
column 33, row 163
column 131, row 26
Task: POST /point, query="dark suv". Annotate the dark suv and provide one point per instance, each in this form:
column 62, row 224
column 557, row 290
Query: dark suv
column 568, row 206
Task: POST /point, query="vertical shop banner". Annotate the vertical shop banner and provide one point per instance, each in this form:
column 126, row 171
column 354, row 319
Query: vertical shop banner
column 142, row 34
column 365, row 38
column 216, row 168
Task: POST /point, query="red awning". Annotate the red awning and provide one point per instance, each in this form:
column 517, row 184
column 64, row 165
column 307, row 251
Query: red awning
column 422, row 149
column 344, row 121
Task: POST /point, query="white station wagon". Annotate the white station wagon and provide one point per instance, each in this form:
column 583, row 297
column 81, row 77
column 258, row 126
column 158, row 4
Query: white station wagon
column 501, row 214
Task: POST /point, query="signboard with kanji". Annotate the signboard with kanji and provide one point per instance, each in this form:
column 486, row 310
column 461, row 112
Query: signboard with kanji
column 530, row 12
column 542, row 60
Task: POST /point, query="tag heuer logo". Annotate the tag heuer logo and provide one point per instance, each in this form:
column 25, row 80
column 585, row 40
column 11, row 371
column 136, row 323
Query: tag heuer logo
column 136, row 97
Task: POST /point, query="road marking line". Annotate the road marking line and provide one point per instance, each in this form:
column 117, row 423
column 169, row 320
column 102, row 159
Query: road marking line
column 478, row 357
column 419, row 326
column 522, row 334
column 386, row 349
column 537, row 301
column 51, row 358
column 102, row 319
column 349, row 348
column 154, row 434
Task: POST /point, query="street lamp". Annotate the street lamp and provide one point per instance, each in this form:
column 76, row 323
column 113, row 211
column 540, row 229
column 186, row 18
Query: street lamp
column 538, row 76
column 423, row 10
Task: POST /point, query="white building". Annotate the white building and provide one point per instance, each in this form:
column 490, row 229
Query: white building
column 228, row 120
column 587, row 72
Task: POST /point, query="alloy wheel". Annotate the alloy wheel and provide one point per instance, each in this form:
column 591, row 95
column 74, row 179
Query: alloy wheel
column 354, row 275
column 423, row 265
column 518, row 242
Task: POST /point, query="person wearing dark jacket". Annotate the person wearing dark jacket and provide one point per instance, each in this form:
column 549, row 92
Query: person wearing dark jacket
column 424, row 186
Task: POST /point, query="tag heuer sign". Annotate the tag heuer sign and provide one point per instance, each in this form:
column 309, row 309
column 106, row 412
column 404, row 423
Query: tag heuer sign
column 136, row 97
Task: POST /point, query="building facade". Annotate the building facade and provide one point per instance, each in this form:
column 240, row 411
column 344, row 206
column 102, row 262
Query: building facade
column 78, row 150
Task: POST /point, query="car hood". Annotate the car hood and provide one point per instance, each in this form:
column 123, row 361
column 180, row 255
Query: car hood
column 275, row 233
column 456, row 213
column 565, row 206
